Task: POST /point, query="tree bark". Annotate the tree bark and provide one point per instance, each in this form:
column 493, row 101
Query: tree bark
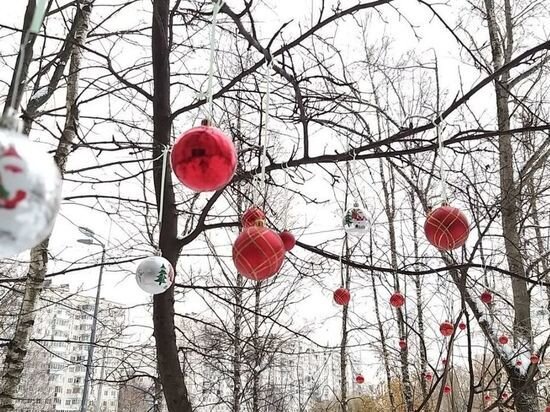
column 171, row 375
column 14, row 362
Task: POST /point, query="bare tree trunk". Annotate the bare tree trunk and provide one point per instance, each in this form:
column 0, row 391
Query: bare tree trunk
column 237, row 316
column 171, row 375
column 14, row 362
column 257, row 351
column 344, row 341
column 525, row 392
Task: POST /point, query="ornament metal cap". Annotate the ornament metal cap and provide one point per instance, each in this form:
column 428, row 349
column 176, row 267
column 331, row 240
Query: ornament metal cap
column 206, row 122
column 259, row 223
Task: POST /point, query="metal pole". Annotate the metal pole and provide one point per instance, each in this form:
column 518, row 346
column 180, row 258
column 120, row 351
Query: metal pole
column 83, row 405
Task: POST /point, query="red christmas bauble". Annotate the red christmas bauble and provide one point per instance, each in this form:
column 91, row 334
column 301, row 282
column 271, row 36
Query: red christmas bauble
column 535, row 359
column 486, row 297
column 397, row 300
column 204, row 159
column 359, row 378
column 258, row 253
column 403, row 344
column 288, row 240
column 443, row 361
column 547, row 409
column 519, row 363
column 251, row 216
column 447, row 389
column 428, row 376
column 462, row 326
column 504, row 395
column 503, row 340
column 446, row 328
column 446, row 228
column 341, row 296
column 487, row 398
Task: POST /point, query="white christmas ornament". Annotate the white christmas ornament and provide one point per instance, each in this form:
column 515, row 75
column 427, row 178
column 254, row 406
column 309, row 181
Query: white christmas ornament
column 30, row 193
column 155, row 275
column 355, row 220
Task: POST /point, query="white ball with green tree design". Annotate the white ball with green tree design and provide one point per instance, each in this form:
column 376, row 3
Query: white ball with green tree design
column 155, row 275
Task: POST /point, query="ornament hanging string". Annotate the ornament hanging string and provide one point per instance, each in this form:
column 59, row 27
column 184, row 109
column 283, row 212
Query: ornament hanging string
column 265, row 139
column 165, row 152
column 210, row 92
column 10, row 119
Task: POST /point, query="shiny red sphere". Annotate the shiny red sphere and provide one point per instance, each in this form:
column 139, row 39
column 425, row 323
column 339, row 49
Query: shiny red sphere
column 258, row 253
column 487, row 398
column 462, row 326
column 428, row 376
column 251, row 216
column 204, row 159
column 503, row 340
column 397, row 300
column 447, row 389
column 486, row 297
column 403, row 344
column 341, row 296
column 446, row 328
column 535, row 359
column 359, row 378
column 288, row 240
column 446, row 228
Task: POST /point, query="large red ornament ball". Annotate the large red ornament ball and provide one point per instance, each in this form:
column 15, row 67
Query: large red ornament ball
column 462, row 326
column 503, row 340
column 204, row 159
column 446, row 228
column 258, row 253
column 447, row 389
column 486, row 297
column 288, row 240
column 251, row 216
column 402, row 344
column 535, row 359
column 446, row 328
column 342, row 296
column 359, row 378
column 397, row 300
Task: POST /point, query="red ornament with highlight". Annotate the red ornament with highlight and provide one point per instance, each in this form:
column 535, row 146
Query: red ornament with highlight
column 252, row 215
column 487, row 398
column 503, row 340
column 397, row 300
column 341, row 296
column 359, row 378
column 462, row 326
column 446, row 328
column 288, row 240
column 204, row 159
column 446, row 228
column 258, row 253
column 447, row 389
column 486, row 297
column 402, row 344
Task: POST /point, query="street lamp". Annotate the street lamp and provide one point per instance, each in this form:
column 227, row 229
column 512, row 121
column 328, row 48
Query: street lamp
column 89, row 240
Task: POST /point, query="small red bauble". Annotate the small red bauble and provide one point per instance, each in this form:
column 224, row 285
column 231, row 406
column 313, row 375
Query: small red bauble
column 486, row 297
column 504, row 395
column 288, row 240
column 443, row 361
column 535, row 359
column 519, row 363
column 428, row 376
column 403, row 344
column 359, row 378
column 258, row 253
column 446, row 328
column 446, row 228
column 447, row 389
column 462, row 326
column 487, row 398
column 341, row 296
column 204, row 159
column 397, row 300
column 252, row 216
column 503, row 340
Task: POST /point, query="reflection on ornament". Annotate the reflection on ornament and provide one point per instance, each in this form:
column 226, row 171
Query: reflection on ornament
column 252, row 215
column 258, row 252
column 30, row 193
column 155, row 275
column 204, row 158
column 355, row 220
column 341, row 296
column 446, row 328
column 359, row 378
column 446, row 228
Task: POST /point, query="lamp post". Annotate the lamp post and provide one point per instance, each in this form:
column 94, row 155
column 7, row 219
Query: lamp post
column 90, row 237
